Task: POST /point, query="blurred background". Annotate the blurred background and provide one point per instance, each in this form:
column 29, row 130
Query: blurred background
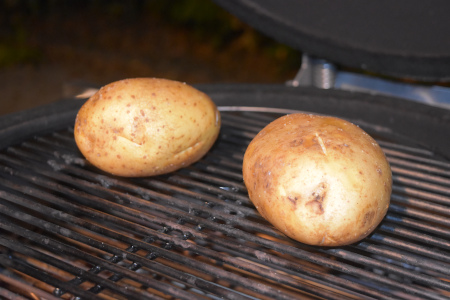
column 50, row 48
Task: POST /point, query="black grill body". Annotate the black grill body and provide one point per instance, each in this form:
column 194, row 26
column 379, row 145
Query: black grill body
column 68, row 230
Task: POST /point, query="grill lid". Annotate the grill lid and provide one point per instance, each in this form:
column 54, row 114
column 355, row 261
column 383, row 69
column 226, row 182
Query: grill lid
column 405, row 39
column 67, row 229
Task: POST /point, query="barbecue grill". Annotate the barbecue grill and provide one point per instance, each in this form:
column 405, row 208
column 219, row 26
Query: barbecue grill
column 68, row 230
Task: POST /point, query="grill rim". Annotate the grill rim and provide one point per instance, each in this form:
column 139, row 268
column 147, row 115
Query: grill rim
column 405, row 119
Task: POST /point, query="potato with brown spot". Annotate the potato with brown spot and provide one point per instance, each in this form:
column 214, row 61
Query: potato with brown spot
column 319, row 180
column 143, row 127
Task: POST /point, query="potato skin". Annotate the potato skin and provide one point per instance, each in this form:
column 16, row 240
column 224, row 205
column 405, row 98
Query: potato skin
column 319, row 180
column 146, row 126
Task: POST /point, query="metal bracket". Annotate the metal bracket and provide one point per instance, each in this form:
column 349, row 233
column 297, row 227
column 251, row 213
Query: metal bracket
column 314, row 72
column 323, row 74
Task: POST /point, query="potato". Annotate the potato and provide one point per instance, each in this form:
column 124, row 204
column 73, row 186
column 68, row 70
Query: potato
column 146, row 126
column 319, row 180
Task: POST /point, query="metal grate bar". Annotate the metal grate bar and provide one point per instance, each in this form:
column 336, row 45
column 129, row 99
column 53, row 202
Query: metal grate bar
column 154, row 252
column 421, row 278
column 415, row 158
column 436, row 180
column 123, row 290
column 103, row 232
column 194, row 232
column 185, row 246
column 46, row 184
column 401, row 163
column 413, row 235
column 428, row 207
column 34, row 193
column 421, row 226
column 54, row 245
column 419, row 214
column 23, row 288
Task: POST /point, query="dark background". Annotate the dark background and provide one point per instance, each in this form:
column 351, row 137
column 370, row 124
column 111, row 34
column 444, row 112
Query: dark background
column 48, row 47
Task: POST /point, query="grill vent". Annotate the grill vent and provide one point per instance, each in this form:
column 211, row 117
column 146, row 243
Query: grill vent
column 67, row 230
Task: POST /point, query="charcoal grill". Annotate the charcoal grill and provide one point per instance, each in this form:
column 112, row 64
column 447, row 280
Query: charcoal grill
column 68, row 230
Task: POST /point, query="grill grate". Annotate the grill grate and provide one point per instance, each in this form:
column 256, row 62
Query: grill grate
column 67, row 230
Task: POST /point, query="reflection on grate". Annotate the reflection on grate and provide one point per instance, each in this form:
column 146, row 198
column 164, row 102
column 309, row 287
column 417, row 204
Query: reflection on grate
column 67, row 230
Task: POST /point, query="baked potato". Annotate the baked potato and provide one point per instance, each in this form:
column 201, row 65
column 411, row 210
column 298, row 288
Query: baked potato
column 320, row 180
column 146, row 126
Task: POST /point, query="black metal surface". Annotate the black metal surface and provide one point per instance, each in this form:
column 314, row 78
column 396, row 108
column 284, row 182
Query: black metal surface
column 405, row 39
column 67, row 229
column 402, row 120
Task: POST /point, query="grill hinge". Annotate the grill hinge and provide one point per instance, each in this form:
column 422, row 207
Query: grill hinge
column 323, row 74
